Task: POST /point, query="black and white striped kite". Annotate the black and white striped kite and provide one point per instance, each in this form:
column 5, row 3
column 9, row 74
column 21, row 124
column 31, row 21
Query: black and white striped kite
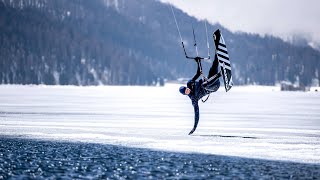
column 223, row 57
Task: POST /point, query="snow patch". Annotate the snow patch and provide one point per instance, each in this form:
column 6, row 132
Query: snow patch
column 112, row 3
column 56, row 77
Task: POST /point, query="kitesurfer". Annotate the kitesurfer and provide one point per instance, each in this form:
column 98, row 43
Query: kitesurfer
column 195, row 90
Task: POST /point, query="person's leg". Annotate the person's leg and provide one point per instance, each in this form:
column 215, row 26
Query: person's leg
column 214, row 68
column 212, row 82
column 213, row 75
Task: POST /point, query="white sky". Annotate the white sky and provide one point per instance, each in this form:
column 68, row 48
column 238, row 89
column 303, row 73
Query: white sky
column 277, row 17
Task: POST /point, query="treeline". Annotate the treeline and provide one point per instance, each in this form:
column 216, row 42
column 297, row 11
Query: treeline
column 268, row 60
column 134, row 42
column 264, row 60
column 64, row 42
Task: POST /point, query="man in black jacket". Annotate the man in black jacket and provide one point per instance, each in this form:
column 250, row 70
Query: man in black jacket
column 198, row 89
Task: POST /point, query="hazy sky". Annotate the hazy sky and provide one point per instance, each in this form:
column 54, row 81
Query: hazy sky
column 278, row 17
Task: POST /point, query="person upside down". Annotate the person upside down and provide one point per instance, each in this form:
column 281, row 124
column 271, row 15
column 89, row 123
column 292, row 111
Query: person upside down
column 195, row 90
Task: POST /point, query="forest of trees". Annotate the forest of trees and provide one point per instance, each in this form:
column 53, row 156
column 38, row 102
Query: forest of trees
column 118, row 42
column 66, row 42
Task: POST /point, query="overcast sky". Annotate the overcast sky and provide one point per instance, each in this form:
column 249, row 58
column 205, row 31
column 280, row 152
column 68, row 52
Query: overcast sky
column 277, row 17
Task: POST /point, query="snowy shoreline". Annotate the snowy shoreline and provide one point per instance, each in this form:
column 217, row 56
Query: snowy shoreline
column 250, row 88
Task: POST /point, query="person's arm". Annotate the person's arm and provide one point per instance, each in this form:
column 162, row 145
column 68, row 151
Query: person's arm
column 197, row 75
column 196, row 116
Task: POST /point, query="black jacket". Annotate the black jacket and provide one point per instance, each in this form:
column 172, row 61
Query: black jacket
column 197, row 92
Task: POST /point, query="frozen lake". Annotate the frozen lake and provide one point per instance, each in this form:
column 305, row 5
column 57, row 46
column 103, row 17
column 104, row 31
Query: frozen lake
column 248, row 122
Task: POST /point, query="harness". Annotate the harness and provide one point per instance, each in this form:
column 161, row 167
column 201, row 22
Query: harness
column 213, row 79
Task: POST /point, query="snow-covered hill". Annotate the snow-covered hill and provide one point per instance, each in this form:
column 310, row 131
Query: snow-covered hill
column 80, row 42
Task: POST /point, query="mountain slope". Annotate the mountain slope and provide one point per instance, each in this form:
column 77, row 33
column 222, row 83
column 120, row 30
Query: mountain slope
column 256, row 60
column 66, row 42
column 130, row 42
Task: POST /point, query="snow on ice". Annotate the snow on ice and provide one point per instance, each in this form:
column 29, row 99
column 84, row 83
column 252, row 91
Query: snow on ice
column 252, row 121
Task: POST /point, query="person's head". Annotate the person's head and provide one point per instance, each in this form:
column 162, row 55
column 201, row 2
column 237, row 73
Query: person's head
column 184, row 90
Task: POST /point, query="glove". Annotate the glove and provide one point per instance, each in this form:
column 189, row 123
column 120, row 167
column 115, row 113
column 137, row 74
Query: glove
column 192, row 130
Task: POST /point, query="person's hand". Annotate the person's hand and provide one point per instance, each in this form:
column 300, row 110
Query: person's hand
column 192, row 131
column 197, row 59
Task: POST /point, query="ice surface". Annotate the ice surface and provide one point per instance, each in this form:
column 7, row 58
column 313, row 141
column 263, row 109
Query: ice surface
column 253, row 122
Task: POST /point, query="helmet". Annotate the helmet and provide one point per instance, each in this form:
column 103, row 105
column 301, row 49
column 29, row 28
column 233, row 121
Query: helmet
column 182, row 90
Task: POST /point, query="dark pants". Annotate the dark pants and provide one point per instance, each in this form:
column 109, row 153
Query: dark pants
column 212, row 83
column 214, row 68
